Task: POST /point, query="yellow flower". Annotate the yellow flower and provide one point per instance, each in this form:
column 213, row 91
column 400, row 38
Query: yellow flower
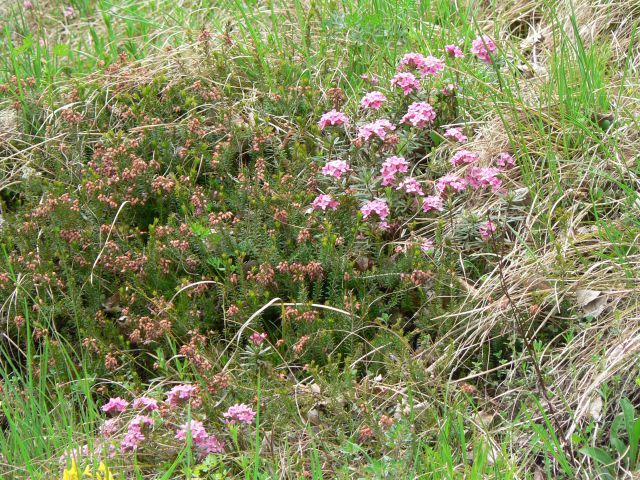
column 72, row 473
column 103, row 472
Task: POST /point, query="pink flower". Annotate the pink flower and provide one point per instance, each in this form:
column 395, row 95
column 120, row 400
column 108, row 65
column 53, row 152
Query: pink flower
column 333, row 118
column 505, row 160
column 257, row 338
column 69, row 12
column 449, row 89
column 109, row 427
column 380, row 128
column 453, row 51
column 390, row 167
column 181, row 393
column 406, row 81
column 426, row 245
column 487, row 229
column 373, row 100
column 479, row 177
column 240, row 413
column 425, row 65
column 146, row 403
column 211, row 445
column 451, row 181
column 432, row 202
column 482, row 47
column 455, row 134
column 336, row 168
column 322, row 202
column 134, row 436
column 432, row 66
column 27, row 4
column 462, row 157
column 195, row 430
column 410, row 185
column 116, row 404
column 419, row 114
column 201, row 439
column 379, row 207
column 411, row 61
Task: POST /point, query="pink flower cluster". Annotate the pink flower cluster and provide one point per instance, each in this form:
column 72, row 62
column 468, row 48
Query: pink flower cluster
column 240, row 413
column 505, row 160
column 336, row 168
column 410, row 185
column 419, row 114
column 450, row 181
column 425, row 65
column 479, row 177
column 324, row 201
column 201, row 439
column 406, row 81
column 379, row 128
column 432, row 202
column 258, row 338
column 373, row 100
column 146, row 403
column 135, row 435
column 483, row 47
column 115, row 405
column 180, row 394
column 453, row 51
column 379, row 207
column 390, row 167
column 455, row 134
column 462, row 157
column 487, row 229
column 333, row 118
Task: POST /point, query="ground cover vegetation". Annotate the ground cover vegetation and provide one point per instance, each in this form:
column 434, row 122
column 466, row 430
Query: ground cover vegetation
column 319, row 239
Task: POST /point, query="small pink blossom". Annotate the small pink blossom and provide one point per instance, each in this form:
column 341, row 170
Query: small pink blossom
column 505, row 160
column 181, row 393
column 240, row 413
column 451, row 181
column 379, row 128
column 258, row 338
column 427, row 245
column 69, row 12
column 482, row 47
column 425, row 65
column 406, row 81
column 27, row 4
column 486, row 229
column 419, row 114
column 134, row 436
column 145, row 403
column 379, row 207
column 323, row 201
column 116, row 404
column 410, row 185
column 390, row 167
column 211, row 445
column 462, row 157
column 449, row 89
column 336, row 168
column 110, row 427
column 479, row 177
column 195, row 430
column 453, row 51
column 432, row 202
column 373, row 100
column 455, row 134
column 333, row 118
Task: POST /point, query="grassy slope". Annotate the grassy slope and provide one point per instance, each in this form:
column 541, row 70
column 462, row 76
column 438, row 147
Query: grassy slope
column 581, row 231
